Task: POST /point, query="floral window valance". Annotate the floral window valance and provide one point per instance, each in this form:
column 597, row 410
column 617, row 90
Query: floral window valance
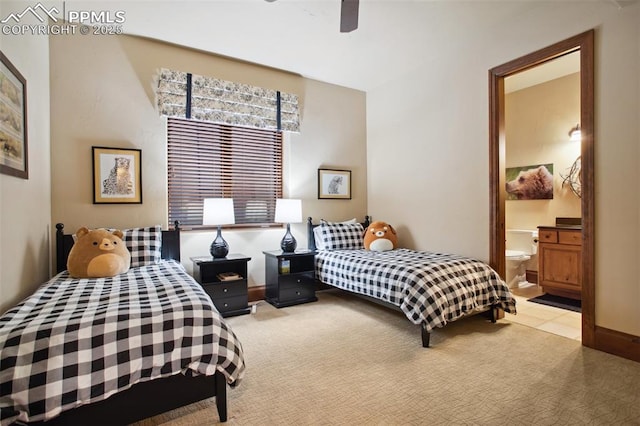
column 186, row 95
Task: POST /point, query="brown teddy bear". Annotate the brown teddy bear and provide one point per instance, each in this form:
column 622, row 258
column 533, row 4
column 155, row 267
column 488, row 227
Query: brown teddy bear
column 380, row 236
column 98, row 253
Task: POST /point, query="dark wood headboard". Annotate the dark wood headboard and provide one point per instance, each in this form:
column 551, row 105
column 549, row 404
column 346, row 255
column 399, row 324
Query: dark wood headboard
column 311, row 244
column 64, row 242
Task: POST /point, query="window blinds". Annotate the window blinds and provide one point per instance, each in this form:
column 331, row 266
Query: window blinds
column 181, row 94
column 209, row 160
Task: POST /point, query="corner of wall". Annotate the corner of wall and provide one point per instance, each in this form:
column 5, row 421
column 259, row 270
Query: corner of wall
column 25, row 216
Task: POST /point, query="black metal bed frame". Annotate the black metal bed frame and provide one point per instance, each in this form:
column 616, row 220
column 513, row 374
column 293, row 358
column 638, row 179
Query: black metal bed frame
column 425, row 336
column 144, row 399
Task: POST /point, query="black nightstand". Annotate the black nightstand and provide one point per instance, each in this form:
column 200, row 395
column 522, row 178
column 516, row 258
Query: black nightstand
column 290, row 278
column 230, row 296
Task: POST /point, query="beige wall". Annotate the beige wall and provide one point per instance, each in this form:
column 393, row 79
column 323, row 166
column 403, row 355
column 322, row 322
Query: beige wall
column 429, row 160
column 102, row 95
column 24, row 204
column 538, row 120
column 426, row 153
column 537, row 123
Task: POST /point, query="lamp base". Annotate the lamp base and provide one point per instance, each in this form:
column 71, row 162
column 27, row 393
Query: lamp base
column 219, row 247
column 288, row 243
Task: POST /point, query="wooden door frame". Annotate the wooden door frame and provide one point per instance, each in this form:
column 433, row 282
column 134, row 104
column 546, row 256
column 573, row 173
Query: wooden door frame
column 584, row 43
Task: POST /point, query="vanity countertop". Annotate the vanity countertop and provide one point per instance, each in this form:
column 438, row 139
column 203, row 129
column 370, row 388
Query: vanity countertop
column 573, row 227
column 574, row 223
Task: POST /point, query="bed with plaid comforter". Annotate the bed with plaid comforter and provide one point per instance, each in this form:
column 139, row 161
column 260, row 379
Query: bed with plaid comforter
column 431, row 289
column 78, row 341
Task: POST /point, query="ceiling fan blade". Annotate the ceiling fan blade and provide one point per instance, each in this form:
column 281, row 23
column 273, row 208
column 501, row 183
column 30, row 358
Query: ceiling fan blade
column 349, row 15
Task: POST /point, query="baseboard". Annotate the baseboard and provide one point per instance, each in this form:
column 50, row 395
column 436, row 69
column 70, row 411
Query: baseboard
column 617, row 343
column 256, row 293
column 532, row 276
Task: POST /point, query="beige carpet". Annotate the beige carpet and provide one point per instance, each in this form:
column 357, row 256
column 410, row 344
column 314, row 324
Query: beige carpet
column 345, row 361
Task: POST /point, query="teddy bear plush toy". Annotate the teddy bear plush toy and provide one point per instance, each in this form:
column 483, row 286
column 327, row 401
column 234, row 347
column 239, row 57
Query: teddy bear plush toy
column 98, row 253
column 380, row 236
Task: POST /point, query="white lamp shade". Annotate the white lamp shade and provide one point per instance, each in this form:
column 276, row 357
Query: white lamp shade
column 575, row 134
column 218, row 211
column 288, row 211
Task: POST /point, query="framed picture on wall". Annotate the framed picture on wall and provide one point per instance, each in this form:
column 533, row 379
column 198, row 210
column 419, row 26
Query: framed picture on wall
column 533, row 182
column 13, row 121
column 116, row 175
column 334, row 184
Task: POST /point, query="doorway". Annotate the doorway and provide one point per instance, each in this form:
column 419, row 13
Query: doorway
column 583, row 43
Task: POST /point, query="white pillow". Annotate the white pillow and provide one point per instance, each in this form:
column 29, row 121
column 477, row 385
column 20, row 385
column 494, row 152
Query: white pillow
column 346, row 222
column 317, row 235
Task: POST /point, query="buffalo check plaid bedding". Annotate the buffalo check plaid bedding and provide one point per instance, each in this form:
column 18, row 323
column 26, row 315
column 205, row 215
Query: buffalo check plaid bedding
column 430, row 288
column 77, row 341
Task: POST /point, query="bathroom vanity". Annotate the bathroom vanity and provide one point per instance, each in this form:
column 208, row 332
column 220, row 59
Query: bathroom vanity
column 560, row 260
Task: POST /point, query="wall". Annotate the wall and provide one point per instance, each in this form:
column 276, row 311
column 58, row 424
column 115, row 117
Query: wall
column 102, row 95
column 434, row 182
column 537, row 124
column 426, row 162
column 25, row 230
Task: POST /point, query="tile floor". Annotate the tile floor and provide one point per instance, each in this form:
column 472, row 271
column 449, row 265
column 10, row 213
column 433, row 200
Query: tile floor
column 547, row 318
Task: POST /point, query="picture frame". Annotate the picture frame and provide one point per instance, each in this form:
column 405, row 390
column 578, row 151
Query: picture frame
column 334, row 184
column 117, row 178
column 14, row 152
column 531, row 182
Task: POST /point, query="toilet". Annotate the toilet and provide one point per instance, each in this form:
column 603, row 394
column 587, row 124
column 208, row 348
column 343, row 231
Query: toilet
column 521, row 245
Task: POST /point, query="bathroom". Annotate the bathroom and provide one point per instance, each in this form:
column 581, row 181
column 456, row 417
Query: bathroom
column 540, row 114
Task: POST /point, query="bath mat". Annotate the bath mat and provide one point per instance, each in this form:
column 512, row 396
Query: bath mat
column 558, row 302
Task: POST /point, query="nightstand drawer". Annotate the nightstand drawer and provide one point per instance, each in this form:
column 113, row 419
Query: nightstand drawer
column 226, row 289
column 224, row 304
column 230, row 297
column 298, row 292
column 297, row 286
column 290, row 278
column 296, row 280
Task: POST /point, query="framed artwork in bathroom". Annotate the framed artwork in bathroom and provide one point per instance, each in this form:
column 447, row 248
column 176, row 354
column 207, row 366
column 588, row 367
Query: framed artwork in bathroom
column 533, row 182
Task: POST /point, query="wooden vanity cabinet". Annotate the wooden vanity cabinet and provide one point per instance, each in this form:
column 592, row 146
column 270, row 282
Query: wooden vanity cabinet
column 560, row 261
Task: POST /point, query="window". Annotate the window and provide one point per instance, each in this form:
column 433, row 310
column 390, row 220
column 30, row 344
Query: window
column 210, row 160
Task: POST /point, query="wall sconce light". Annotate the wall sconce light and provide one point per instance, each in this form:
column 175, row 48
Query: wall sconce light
column 575, row 134
column 288, row 211
column 218, row 211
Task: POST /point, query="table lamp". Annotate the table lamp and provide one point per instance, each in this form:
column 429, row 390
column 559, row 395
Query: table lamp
column 218, row 211
column 288, row 211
